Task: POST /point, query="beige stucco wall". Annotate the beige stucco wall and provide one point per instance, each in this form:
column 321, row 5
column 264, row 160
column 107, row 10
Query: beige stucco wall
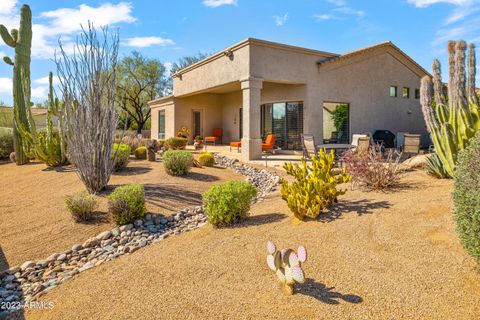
column 217, row 72
column 169, row 108
column 288, row 74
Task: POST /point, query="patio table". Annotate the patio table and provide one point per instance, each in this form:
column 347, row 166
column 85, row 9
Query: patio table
column 335, row 146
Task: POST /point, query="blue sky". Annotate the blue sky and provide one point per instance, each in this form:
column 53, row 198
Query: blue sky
column 167, row 30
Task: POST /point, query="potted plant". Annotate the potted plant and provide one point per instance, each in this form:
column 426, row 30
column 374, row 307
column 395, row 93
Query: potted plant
column 183, row 133
column 198, row 143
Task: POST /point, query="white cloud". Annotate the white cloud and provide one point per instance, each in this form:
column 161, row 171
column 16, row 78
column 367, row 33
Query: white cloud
column 324, row 16
column 337, row 3
column 350, row 11
column 6, row 85
column 40, row 92
column 340, row 12
column 218, row 3
column 426, row 3
column 143, row 42
column 281, row 20
column 68, row 20
column 7, row 6
column 63, row 22
column 44, row 80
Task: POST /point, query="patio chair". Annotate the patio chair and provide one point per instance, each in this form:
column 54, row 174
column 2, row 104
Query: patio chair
column 355, row 139
column 217, row 135
column 411, row 144
column 235, row 144
column 308, row 145
column 363, row 144
column 269, row 143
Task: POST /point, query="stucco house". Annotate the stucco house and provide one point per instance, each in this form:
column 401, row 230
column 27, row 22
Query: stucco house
column 256, row 87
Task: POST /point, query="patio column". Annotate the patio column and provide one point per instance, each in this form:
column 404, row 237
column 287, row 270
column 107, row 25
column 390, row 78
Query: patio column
column 251, row 140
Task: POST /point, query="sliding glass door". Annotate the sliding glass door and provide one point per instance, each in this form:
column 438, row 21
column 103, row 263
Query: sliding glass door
column 285, row 121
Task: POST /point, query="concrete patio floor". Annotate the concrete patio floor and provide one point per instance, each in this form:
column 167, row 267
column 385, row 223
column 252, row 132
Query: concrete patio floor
column 270, row 160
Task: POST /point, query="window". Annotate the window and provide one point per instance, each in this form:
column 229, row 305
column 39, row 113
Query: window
column 285, row 121
column 336, row 127
column 161, row 124
column 417, row 93
column 393, row 91
column 406, row 92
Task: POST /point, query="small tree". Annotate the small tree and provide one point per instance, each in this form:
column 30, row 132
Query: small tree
column 88, row 83
column 139, row 80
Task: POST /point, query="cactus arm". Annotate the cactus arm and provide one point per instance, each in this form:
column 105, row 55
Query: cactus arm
column 8, row 60
column 7, row 37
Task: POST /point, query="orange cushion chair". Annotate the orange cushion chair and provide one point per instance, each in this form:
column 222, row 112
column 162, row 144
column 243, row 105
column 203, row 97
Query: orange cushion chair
column 216, row 136
column 269, row 143
column 235, row 144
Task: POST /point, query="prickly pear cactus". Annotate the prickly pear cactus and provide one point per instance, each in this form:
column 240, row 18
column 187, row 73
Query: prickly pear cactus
column 286, row 264
column 21, row 41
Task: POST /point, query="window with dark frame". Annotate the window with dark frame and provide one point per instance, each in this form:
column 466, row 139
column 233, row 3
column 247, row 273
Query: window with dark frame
column 417, row 93
column 393, row 91
column 161, row 124
column 406, row 92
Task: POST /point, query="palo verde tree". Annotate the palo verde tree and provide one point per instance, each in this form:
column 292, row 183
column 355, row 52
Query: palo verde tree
column 88, row 80
column 140, row 80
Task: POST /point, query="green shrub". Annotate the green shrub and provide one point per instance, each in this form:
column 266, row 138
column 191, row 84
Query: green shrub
column 227, row 203
column 81, row 205
column 121, row 152
column 6, row 142
column 466, row 197
column 141, row 153
column 206, row 159
column 177, row 162
column 315, row 186
column 177, row 143
column 127, row 203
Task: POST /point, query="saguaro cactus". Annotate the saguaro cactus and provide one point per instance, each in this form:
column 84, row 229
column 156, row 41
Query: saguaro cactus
column 21, row 41
column 287, row 266
column 451, row 124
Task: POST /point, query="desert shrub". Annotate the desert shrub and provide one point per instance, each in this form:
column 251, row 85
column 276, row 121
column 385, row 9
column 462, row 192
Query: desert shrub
column 177, row 143
column 315, row 185
column 127, row 203
column 6, row 142
column 206, row 159
column 371, row 170
column 227, row 203
column 121, row 152
column 81, row 206
column 177, row 162
column 141, row 153
column 466, row 197
column 132, row 140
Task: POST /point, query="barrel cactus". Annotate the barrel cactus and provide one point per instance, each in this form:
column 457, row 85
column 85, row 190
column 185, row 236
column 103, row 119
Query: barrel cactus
column 286, row 264
column 452, row 121
column 21, row 41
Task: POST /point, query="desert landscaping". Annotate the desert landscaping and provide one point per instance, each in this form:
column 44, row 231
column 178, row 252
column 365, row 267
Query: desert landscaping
column 137, row 192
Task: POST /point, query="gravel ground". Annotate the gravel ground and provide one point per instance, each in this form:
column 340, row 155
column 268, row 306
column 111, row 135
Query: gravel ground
column 377, row 256
column 34, row 222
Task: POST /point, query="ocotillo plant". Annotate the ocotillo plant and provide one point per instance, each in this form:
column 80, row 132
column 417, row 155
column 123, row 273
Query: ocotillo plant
column 287, row 266
column 48, row 146
column 452, row 121
column 21, row 41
